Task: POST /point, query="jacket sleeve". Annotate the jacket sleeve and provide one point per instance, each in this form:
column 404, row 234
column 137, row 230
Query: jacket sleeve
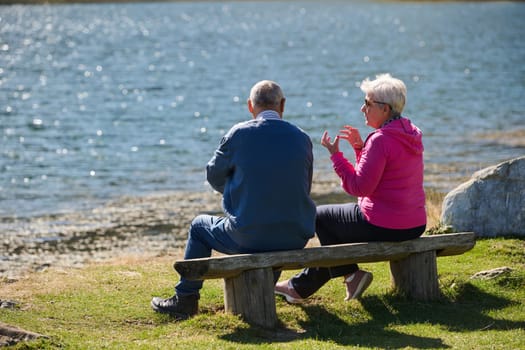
column 311, row 166
column 361, row 180
column 219, row 168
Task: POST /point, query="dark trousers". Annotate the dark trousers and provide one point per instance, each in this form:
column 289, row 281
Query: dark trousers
column 344, row 223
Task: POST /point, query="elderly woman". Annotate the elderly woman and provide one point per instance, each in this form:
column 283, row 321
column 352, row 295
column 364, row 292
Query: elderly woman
column 387, row 180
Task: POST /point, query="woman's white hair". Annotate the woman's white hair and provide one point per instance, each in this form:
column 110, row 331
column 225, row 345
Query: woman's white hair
column 387, row 89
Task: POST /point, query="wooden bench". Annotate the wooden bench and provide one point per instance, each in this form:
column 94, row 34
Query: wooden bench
column 248, row 278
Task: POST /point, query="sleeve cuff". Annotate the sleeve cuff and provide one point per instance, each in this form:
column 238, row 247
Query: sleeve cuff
column 337, row 156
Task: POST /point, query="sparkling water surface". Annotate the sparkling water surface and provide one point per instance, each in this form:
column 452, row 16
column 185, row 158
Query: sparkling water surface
column 99, row 101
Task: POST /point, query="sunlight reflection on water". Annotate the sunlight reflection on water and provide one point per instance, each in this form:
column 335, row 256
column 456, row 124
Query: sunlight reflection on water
column 104, row 100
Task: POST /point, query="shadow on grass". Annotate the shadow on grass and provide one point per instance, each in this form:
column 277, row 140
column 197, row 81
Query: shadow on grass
column 466, row 313
column 325, row 326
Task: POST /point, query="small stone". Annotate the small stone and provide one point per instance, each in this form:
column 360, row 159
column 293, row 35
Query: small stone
column 491, row 274
column 8, row 304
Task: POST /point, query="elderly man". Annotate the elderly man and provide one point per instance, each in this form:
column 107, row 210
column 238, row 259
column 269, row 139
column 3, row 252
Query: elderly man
column 263, row 167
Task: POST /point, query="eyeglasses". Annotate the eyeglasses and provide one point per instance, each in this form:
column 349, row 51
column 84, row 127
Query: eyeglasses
column 370, row 103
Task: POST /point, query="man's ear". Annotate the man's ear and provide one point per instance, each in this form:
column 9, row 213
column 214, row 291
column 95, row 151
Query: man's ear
column 250, row 106
column 283, row 101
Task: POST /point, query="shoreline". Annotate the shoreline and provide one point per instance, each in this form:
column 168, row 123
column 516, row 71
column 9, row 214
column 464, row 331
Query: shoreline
column 140, row 227
column 155, row 225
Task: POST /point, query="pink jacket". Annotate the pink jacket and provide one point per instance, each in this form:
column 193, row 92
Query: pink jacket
column 388, row 176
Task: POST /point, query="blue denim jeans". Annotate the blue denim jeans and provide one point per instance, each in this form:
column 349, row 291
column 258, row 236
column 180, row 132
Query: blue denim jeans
column 209, row 233
column 206, row 233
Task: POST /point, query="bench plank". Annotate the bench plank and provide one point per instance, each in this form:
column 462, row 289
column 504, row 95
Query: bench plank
column 324, row 256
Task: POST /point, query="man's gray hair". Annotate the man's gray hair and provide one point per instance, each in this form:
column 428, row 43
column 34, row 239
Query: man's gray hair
column 267, row 94
column 387, row 89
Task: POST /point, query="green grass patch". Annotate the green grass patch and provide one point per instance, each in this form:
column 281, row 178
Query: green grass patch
column 107, row 307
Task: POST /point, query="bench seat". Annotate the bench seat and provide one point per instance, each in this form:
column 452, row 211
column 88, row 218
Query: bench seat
column 248, row 288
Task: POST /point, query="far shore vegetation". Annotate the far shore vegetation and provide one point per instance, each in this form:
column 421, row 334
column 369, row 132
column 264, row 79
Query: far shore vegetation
column 41, row 2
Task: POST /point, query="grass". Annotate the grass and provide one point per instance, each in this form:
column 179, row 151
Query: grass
column 106, row 306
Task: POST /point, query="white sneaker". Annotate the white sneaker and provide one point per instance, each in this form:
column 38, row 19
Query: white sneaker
column 357, row 283
column 286, row 289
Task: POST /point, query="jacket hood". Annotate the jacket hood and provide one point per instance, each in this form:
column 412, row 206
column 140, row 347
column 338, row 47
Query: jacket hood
column 406, row 132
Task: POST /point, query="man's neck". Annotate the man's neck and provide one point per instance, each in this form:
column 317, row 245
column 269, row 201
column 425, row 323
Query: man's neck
column 268, row 114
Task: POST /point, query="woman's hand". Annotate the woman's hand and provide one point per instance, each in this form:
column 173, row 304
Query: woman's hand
column 332, row 147
column 351, row 135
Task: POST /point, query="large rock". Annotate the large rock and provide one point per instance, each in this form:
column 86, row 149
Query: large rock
column 491, row 203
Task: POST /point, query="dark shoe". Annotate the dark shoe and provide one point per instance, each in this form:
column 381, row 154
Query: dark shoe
column 181, row 307
column 357, row 283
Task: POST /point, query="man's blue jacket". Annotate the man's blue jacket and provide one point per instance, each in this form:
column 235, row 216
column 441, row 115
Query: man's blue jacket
column 263, row 167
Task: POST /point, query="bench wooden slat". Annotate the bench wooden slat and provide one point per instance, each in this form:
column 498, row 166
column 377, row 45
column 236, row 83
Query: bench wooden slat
column 232, row 265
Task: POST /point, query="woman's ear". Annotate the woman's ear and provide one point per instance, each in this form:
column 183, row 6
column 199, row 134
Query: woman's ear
column 387, row 109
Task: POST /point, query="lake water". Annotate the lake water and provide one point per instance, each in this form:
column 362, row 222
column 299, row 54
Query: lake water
column 99, row 101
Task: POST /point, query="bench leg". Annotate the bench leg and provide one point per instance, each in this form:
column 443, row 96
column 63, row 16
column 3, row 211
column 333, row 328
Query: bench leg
column 251, row 295
column 416, row 276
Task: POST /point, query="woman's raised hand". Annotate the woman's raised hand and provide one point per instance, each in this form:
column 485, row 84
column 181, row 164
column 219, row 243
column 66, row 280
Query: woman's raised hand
column 332, row 147
column 351, row 135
